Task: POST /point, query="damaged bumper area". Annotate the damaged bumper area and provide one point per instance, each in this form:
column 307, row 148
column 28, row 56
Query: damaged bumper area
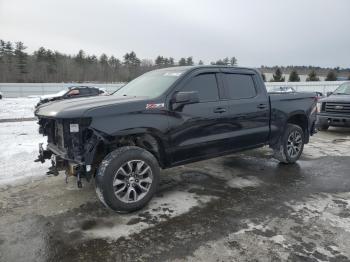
column 71, row 147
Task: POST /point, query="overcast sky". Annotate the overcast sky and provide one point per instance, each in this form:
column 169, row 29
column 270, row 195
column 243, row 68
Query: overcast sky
column 257, row 32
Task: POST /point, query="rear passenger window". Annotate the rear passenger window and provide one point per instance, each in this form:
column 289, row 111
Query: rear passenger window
column 84, row 91
column 240, row 86
column 94, row 91
column 205, row 85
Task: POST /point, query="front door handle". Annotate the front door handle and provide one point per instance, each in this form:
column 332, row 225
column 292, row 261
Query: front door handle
column 219, row 110
column 262, row 106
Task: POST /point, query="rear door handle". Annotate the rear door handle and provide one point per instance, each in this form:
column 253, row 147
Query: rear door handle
column 262, row 106
column 219, row 110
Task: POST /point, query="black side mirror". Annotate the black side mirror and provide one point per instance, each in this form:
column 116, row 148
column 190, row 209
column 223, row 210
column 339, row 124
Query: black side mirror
column 329, row 93
column 183, row 98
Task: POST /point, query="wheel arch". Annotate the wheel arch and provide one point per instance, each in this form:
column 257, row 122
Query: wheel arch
column 150, row 140
column 300, row 119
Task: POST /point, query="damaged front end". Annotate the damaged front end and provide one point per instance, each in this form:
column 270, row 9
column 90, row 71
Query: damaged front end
column 71, row 146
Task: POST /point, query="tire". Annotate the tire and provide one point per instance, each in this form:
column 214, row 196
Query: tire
column 127, row 179
column 323, row 127
column 288, row 152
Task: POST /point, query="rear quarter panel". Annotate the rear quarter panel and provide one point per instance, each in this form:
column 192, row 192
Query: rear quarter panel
column 284, row 106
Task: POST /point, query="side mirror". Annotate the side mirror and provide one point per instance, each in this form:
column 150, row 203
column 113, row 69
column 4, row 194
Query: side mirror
column 329, row 93
column 183, row 98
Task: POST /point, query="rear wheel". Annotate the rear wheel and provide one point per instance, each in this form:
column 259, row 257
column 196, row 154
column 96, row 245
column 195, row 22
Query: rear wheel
column 127, row 179
column 291, row 145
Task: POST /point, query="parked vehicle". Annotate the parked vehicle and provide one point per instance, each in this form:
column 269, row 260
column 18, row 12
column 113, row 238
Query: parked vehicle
column 282, row 89
column 0, row 95
column 170, row 117
column 334, row 110
column 72, row 92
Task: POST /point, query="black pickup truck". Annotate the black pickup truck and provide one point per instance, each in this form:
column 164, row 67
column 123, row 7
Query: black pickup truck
column 334, row 110
column 170, row 117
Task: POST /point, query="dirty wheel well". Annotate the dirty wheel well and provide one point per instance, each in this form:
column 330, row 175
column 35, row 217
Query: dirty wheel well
column 145, row 141
column 300, row 120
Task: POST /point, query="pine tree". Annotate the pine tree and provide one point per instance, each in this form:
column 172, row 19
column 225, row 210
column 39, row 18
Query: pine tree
column 80, row 57
column 51, row 66
column 294, row 76
column 21, row 61
column 226, row 61
column 278, row 76
column 200, row 62
column 233, row 61
column 159, row 60
column 182, row 61
column 8, row 51
column 312, row 76
column 331, row 76
column 189, row 61
column 131, row 59
column 2, row 49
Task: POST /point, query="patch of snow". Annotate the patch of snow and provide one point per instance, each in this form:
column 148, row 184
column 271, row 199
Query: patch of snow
column 279, row 239
column 250, row 227
column 324, row 208
column 18, row 150
column 242, row 182
column 17, row 107
column 160, row 209
column 327, row 146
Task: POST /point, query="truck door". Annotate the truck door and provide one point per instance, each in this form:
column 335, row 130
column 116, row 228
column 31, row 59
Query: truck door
column 248, row 109
column 198, row 129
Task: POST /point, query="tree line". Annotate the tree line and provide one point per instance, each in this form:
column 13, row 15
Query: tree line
column 294, row 76
column 45, row 65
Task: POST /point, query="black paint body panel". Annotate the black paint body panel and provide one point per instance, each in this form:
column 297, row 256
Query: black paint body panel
column 193, row 131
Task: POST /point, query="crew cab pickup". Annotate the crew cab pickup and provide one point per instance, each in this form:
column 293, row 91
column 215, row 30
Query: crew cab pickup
column 334, row 110
column 170, row 117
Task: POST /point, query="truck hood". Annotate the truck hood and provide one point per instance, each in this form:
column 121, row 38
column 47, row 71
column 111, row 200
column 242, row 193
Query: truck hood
column 75, row 108
column 336, row 98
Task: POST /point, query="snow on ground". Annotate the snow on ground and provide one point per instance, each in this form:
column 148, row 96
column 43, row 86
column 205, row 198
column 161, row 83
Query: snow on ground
column 18, row 150
column 327, row 145
column 17, row 107
column 172, row 204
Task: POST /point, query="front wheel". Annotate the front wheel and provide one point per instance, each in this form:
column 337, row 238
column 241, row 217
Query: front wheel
column 127, row 179
column 291, row 145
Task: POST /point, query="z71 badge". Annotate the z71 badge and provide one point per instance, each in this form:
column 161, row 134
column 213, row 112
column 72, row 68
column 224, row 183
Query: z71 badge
column 155, row 106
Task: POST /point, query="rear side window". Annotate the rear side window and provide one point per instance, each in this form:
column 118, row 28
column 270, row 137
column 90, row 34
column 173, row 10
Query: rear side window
column 94, row 91
column 205, row 85
column 84, row 91
column 240, row 86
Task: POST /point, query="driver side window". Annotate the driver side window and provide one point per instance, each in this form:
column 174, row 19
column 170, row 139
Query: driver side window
column 205, row 85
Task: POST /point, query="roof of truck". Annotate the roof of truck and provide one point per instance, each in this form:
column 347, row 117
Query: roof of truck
column 190, row 68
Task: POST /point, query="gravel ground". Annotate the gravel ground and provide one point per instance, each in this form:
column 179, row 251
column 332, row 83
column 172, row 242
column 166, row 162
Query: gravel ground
column 242, row 207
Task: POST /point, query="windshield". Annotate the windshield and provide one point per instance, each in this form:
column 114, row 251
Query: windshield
column 151, row 84
column 343, row 89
